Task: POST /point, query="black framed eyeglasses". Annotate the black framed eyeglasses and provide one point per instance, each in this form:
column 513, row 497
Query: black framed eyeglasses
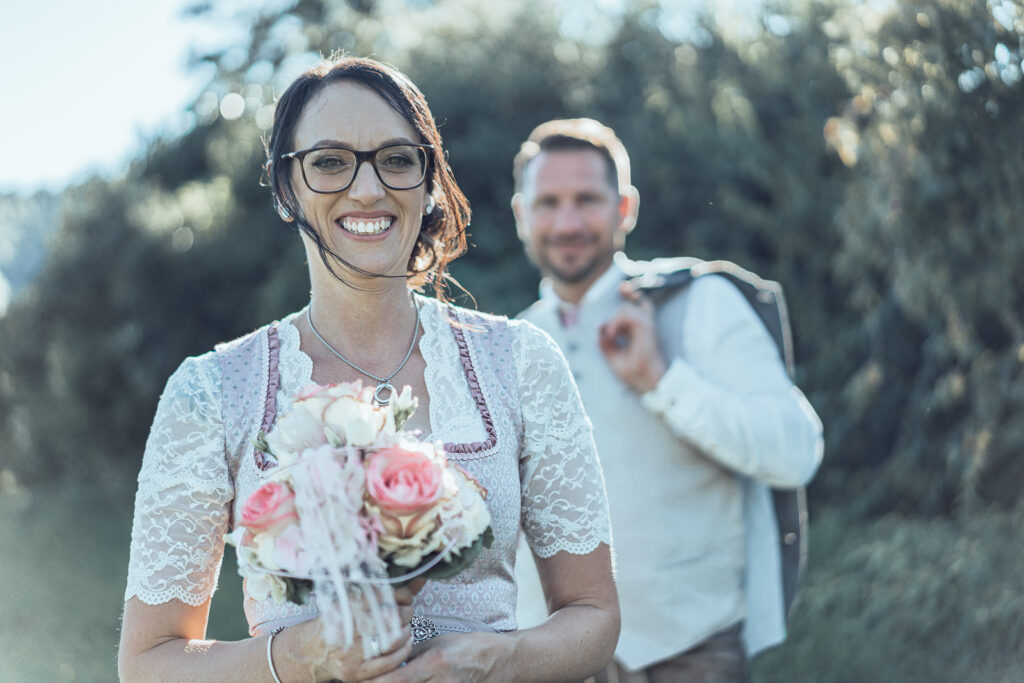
column 327, row 170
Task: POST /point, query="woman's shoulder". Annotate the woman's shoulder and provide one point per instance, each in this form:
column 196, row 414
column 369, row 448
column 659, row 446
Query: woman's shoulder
column 207, row 369
column 462, row 314
column 239, row 344
column 515, row 331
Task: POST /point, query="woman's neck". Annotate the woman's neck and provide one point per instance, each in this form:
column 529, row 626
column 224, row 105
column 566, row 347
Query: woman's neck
column 379, row 316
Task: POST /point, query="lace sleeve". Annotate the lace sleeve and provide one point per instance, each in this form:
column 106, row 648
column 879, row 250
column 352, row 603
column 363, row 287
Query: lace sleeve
column 564, row 502
column 182, row 504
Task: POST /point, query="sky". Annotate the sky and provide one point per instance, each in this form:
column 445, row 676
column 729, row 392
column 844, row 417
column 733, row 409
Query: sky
column 84, row 82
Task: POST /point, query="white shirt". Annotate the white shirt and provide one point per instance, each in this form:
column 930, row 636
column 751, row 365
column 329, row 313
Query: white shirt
column 726, row 395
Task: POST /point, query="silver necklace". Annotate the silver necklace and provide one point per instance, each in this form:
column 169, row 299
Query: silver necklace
column 383, row 383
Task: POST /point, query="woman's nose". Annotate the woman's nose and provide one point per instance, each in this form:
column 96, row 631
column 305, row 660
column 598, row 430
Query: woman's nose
column 366, row 187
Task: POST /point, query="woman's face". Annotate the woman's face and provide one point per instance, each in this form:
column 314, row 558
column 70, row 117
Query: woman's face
column 369, row 225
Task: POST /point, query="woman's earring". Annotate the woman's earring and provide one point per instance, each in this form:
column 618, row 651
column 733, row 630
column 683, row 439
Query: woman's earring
column 428, row 206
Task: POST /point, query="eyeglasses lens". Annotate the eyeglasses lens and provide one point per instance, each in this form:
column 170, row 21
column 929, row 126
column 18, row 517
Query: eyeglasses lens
column 400, row 167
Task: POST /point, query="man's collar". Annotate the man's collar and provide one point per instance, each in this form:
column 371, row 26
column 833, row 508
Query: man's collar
column 598, row 289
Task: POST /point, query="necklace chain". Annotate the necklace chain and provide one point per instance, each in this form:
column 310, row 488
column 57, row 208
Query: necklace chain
column 383, row 383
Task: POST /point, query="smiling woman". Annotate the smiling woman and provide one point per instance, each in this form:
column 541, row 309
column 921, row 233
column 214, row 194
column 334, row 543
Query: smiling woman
column 309, row 155
column 356, row 163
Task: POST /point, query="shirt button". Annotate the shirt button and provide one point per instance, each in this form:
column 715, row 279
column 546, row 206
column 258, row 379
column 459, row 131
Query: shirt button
column 572, row 347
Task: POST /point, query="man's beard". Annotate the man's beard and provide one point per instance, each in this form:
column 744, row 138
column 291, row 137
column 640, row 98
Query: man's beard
column 575, row 274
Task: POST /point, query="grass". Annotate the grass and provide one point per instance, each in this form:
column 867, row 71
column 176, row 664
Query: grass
column 63, row 568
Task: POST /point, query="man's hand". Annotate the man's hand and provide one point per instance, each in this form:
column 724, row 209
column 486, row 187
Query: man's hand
column 629, row 341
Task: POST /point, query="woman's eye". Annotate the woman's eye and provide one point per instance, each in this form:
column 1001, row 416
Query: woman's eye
column 330, row 164
column 398, row 161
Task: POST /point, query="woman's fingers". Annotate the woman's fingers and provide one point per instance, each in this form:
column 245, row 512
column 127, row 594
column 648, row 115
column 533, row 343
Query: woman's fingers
column 403, row 640
column 387, row 661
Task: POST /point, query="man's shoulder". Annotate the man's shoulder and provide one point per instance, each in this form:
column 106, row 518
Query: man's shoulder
column 536, row 311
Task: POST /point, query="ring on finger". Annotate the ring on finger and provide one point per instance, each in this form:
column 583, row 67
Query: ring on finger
column 374, row 647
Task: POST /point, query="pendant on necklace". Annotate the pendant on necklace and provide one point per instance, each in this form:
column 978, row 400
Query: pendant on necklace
column 386, row 400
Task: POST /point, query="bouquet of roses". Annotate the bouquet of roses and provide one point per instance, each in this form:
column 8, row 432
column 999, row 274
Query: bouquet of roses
column 354, row 506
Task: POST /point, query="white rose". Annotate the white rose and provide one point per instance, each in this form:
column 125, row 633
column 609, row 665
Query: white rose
column 352, row 389
column 357, row 423
column 294, row 432
column 265, row 551
column 260, row 586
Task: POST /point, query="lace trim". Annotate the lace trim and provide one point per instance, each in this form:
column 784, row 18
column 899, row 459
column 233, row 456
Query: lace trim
column 291, row 350
column 273, row 384
column 476, row 391
column 584, row 547
column 174, row 593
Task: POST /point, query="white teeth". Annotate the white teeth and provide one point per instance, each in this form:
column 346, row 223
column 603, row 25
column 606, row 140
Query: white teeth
column 364, row 227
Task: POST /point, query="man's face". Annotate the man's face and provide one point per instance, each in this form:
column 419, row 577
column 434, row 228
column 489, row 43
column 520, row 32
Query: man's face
column 570, row 214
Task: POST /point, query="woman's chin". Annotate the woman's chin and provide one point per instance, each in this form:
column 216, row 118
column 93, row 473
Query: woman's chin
column 368, row 272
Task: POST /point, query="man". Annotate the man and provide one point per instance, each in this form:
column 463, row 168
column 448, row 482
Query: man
column 694, row 416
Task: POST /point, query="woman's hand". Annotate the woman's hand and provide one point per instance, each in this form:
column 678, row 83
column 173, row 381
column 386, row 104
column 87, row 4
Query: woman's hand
column 404, row 598
column 304, row 645
column 455, row 658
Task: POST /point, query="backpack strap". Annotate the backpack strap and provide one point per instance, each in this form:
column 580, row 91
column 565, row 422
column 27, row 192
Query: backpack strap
column 661, row 278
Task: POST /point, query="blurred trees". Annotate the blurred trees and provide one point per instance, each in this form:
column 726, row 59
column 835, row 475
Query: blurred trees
column 865, row 157
column 931, row 250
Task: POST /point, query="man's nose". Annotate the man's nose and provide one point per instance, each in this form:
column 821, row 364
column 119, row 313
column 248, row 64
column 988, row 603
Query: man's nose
column 568, row 217
column 366, row 187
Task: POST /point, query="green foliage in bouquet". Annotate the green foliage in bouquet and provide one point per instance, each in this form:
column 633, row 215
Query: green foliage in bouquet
column 298, row 590
column 445, row 569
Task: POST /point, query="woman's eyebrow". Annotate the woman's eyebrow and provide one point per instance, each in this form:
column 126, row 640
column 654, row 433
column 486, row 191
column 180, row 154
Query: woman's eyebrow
column 338, row 143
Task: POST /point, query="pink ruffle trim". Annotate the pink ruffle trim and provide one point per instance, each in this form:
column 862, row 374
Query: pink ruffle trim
column 478, row 396
column 273, row 384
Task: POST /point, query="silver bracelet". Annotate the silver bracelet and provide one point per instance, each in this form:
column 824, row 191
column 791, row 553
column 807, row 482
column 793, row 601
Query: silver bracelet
column 270, row 658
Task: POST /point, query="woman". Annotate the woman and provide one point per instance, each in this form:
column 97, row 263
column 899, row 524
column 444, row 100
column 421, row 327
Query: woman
column 355, row 161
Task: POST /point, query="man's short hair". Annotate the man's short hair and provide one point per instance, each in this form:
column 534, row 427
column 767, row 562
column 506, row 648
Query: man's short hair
column 570, row 134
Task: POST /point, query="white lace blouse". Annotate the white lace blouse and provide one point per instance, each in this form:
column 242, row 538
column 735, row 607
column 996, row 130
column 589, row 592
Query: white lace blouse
column 501, row 398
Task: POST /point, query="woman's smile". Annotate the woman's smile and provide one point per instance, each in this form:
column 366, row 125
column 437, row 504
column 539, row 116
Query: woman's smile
column 365, row 227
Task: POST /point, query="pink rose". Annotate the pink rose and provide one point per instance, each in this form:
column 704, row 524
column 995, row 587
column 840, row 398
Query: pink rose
column 311, row 391
column 269, row 508
column 289, row 551
column 403, row 481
